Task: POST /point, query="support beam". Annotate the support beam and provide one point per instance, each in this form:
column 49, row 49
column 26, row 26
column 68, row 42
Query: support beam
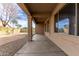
column 42, row 15
column 24, row 8
column 29, row 28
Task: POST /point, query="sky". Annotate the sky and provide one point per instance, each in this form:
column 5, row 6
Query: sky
column 22, row 20
column 63, row 22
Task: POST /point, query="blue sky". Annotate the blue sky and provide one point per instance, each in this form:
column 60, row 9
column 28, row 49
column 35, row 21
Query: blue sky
column 63, row 22
column 23, row 18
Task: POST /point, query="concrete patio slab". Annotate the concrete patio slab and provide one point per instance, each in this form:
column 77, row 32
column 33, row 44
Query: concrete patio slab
column 40, row 46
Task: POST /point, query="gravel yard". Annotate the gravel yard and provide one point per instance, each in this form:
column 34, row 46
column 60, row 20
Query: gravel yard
column 10, row 44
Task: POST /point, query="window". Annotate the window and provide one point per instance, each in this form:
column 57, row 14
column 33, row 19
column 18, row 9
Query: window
column 47, row 26
column 64, row 20
column 78, row 19
column 55, row 23
column 63, row 25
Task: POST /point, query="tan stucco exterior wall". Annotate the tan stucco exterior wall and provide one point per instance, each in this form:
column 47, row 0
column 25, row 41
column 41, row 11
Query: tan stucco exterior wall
column 68, row 43
column 39, row 28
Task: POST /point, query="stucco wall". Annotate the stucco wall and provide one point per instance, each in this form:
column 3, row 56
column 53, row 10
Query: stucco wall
column 39, row 28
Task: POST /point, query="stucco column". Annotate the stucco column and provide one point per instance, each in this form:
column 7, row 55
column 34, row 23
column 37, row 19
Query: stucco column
column 29, row 28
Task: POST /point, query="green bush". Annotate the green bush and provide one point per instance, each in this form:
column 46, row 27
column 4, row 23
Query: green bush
column 6, row 30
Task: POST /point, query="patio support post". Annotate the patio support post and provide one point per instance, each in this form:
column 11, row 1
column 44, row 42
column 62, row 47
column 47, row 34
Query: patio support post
column 29, row 28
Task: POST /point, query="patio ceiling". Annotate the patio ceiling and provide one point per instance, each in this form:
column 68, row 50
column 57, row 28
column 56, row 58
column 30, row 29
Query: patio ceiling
column 40, row 11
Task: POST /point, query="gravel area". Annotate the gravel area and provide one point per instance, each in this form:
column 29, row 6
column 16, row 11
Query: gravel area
column 9, row 45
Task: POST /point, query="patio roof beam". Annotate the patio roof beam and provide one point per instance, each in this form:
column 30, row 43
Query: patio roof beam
column 45, row 15
column 24, row 8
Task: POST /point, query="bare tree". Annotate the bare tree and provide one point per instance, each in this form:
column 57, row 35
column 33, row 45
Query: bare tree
column 9, row 12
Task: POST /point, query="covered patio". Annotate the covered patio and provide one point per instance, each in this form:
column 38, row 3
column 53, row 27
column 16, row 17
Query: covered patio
column 39, row 44
column 40, row 13
column 48, row 40
column 46, row 16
